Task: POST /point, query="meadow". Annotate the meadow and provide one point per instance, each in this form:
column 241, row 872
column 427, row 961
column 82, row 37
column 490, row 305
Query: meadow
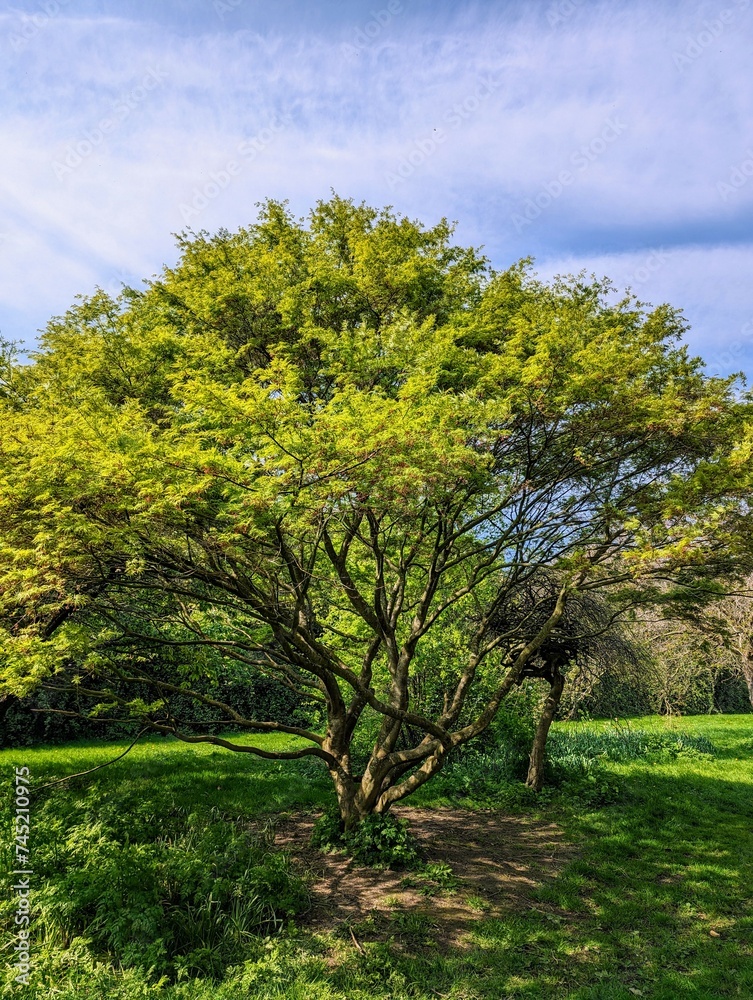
column 183, row 872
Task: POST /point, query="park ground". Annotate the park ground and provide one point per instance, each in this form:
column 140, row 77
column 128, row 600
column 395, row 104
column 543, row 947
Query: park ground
column 630, row 878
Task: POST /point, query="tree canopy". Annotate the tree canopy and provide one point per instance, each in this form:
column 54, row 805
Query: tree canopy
column 316, row 447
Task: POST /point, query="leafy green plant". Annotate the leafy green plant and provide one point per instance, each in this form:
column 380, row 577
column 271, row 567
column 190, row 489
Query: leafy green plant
column 328, row 833
column 434, row 878
column 623, row 743
column 178, row 905
column 485, row 778
column 378, row 840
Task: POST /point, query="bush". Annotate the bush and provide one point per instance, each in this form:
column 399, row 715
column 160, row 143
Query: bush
column 177, row 904
column 611, row 695
column 508, row 739
column 379, row 841
column 29, row 722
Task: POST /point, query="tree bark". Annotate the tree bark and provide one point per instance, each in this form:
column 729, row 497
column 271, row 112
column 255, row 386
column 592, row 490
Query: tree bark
column 747, row 663
column 535, row 777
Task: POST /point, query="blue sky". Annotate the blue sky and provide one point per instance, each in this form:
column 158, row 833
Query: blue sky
column 611, row 137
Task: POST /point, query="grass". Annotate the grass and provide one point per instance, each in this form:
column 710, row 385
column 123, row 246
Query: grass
column 199, row 777
column 657, row 903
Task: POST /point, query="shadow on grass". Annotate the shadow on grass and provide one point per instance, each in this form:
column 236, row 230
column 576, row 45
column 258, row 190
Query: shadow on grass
column 238, row 786
column 658, row 905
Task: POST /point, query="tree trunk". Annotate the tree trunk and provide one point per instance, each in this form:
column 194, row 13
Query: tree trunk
column 346, row 789
column 747, row 661
column 535, row 777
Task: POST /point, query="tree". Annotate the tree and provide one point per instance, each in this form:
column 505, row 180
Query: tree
column 589, row 632
column 702, row 651
column 735, row 625
column 309, row 447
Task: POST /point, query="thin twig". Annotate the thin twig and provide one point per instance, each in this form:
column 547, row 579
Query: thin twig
column 356, row 942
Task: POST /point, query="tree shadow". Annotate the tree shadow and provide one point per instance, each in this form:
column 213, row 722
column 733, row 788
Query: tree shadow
column 658, row 904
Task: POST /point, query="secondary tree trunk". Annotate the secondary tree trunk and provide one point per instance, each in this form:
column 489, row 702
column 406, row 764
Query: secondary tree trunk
column 535, row 777
column 747, row 661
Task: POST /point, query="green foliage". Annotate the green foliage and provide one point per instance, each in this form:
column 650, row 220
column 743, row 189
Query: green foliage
column 575, row 765
column 329, row 831
column 177, row 904
column 143, row 868
column 35, row 719
column 614, row 695
column 695, row 683
column 476, row 772
column 28, row 722
column 491, row 767
column 330, row 450
column 378, row 841
column 577, row 758
column 431, row 879
column 511, row 732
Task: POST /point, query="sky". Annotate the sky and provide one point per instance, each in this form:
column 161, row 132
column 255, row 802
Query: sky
column 615, row 138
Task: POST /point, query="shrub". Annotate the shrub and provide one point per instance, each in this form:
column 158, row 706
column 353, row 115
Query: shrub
column 30, row 721
column 380, row 841
column 182, row 904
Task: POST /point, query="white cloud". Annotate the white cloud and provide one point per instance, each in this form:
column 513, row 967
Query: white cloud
column 364, row 124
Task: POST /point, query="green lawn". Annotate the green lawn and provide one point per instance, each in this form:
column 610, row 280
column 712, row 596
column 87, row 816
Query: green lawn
column 657, row 902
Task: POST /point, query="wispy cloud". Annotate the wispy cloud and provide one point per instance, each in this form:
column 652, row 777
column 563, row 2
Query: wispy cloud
column 410, row 118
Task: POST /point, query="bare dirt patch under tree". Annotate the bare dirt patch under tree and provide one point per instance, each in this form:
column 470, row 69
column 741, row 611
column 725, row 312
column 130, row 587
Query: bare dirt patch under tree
column 486, row 864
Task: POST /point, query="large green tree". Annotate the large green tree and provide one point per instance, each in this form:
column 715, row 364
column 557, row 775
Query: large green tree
column 333, row 449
